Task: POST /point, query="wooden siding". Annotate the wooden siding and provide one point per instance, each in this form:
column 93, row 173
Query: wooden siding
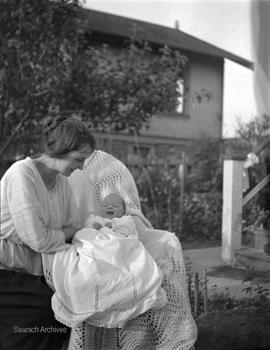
column 201, row 118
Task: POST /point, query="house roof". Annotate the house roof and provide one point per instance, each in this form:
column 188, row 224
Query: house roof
column 102, row 22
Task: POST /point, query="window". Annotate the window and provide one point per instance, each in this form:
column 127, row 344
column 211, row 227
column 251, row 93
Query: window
column 180, row 100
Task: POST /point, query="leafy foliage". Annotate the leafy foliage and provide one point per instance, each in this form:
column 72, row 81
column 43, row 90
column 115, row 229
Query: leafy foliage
column 206, row 165
column 254, row 297
column 202, row 216
column 256, row 212
column 159, row 192
column 37, row 46
column 201, row 213
column 118, row 91
column 255, row 130
column 48, row 63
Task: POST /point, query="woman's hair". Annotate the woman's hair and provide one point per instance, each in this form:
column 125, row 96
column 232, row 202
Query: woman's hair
column 61, row 135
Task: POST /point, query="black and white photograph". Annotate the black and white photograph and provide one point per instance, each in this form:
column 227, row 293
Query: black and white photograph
column 135, row 174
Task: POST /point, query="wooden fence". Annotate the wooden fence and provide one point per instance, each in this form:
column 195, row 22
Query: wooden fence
column 198, row 292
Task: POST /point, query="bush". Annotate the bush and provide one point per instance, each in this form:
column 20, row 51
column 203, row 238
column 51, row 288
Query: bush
column 160, row 191
column 202, row 215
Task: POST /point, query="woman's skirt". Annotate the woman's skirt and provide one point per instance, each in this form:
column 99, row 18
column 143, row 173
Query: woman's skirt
column 26, row 318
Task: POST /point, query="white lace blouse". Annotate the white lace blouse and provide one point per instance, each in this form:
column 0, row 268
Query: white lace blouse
column 32, row 217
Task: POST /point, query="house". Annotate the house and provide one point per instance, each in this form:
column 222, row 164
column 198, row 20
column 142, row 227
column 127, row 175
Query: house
column 201, row 108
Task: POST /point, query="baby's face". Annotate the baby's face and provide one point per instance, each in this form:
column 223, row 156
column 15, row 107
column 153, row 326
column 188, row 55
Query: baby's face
column 112, row 206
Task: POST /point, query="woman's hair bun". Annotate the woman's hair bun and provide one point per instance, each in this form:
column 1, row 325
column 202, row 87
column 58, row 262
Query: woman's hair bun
column 62, row 134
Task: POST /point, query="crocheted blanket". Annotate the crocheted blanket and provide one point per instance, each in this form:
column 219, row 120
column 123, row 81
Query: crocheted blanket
column 169, row 328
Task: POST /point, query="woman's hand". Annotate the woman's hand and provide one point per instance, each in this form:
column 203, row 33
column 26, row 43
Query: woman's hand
column 69, row 232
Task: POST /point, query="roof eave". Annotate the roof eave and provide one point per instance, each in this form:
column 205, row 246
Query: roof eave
column 168, row 36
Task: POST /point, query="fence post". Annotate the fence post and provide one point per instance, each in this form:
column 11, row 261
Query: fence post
column 181, row 174
column 205, row 292
column 196, row 294
column 233, row 166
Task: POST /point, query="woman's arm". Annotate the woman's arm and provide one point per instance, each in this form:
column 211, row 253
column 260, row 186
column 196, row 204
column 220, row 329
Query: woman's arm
column 72, row 216
column 27, row 216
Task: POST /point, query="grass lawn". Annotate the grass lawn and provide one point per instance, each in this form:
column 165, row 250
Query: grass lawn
column 240, row 274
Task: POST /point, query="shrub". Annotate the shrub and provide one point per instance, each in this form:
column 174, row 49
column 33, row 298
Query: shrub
column 201, row 214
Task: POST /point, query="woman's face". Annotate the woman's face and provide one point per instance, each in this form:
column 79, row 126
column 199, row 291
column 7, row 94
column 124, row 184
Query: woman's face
column 73, row 160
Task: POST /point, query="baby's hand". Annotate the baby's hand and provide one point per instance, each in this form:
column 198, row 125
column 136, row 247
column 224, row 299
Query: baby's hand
column 97, row 225
column 108, row 224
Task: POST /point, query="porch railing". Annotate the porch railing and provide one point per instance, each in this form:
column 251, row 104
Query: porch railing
column 233, row 202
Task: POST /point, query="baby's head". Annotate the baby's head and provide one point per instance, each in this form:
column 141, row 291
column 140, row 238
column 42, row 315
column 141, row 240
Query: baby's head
column 113, row 206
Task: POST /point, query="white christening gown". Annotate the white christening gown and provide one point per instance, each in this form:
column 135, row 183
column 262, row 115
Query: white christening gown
column 107, row 277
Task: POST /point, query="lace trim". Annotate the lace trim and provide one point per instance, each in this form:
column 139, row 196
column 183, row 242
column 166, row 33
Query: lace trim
column 169, row 328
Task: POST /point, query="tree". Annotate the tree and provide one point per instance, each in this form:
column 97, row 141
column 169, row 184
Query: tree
column 48, row 65
column 256, row 135
column 255, row 131
column 37, row 46
column 122, row 91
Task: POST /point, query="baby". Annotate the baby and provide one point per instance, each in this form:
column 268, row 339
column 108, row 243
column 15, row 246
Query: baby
column 109, row 277
column 113, row 209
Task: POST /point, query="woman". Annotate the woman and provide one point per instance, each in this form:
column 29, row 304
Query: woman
column 38, row 215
